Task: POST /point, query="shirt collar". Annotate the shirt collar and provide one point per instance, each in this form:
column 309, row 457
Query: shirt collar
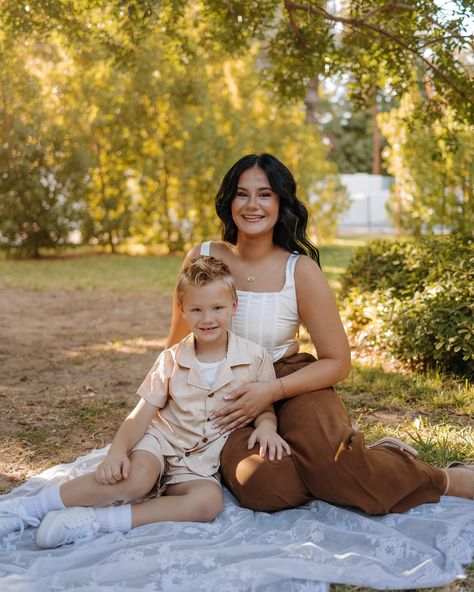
column 237, row 353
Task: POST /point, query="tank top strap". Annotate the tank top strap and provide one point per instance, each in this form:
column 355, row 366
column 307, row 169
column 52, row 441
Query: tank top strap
column 290, row 270
column 206, row 248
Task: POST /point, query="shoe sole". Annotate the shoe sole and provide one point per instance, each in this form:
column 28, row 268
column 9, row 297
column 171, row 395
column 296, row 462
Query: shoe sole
column 392, row 442
column 461, row 465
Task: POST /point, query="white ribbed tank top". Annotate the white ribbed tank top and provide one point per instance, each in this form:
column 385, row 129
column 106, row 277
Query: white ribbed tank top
column 270, row 319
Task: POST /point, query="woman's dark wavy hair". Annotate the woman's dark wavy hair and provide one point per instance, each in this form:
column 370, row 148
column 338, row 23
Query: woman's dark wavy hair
column 290, row 229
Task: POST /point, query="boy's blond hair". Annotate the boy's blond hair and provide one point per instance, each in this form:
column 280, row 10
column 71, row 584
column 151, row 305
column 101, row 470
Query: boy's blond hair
column 202, row 271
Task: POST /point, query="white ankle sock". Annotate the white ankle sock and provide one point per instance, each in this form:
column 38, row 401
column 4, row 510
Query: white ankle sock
column 115, row 518
column 45, row 501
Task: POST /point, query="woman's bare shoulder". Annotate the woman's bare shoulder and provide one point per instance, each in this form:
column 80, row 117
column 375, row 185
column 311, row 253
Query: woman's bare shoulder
column 219, row 249
column 310, row 280
column 305, row 265
column 193, row 252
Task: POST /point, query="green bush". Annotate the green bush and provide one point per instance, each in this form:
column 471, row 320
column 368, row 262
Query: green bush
column 415, row 298
column 404, row 267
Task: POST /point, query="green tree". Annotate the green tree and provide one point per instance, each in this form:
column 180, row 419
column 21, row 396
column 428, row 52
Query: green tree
column 196, row 113
column 433, row 166
column 40, row 178
column 106, row 130
column 300, row 40
column 149, row 144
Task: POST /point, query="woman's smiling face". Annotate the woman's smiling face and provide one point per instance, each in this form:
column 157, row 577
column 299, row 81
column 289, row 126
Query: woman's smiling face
column 255, row 206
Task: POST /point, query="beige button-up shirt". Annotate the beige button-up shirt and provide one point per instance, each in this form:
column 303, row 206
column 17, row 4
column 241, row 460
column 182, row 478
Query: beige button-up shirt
column 186, row 401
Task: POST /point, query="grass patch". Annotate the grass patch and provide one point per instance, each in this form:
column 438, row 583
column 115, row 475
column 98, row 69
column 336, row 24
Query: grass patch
column 335, row 257
column 93, row 416
column 427, row 391
column 124, row 273
column 45, row 440
column 437, row 443
column 42, row 440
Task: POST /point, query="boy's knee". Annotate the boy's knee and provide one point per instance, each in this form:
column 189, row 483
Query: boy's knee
column 133, row 490
column 207, row 505
column 138, row 484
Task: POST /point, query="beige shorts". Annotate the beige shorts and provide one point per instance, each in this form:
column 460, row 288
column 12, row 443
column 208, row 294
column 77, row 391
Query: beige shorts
column 173, row 468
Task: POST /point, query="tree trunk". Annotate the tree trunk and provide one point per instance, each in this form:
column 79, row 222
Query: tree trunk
column 377, row 143
column 311, row 101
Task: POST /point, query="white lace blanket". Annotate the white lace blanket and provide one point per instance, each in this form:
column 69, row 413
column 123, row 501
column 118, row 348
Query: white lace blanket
column 299, row 550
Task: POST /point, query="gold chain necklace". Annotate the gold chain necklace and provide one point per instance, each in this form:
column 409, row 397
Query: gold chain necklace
column 248, row 277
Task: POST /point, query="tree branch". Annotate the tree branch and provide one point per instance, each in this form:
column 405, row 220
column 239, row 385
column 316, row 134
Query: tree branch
column 362, row 24
column 293, row 25
column 403, row 6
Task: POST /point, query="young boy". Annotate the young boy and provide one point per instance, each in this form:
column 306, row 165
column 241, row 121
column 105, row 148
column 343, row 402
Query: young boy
column 169, row 437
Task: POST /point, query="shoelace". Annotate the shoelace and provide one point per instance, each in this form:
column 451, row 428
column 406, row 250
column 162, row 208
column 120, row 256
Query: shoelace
column 79, row 529
column 23, row 517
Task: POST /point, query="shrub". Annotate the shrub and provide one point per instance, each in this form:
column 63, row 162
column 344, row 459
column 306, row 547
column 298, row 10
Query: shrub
column 416, row 298
column 405, row 266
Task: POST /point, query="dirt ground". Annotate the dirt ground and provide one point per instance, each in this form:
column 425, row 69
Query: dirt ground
column 70, row 363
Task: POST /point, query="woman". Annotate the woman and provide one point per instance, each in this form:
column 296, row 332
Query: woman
column 280, row 285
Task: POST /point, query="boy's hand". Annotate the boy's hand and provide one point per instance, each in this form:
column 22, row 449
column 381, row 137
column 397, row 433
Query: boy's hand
column 112, row 469
column 269, row 440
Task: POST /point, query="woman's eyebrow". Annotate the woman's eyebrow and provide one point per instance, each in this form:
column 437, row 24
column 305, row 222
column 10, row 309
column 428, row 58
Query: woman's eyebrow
column 259, row 189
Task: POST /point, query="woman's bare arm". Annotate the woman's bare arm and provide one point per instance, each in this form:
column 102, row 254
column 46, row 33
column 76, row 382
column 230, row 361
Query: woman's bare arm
column 319, row 313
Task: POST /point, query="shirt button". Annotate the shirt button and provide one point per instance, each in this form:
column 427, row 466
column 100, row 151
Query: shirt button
column 208, row 419
column 204, row 439
column 186, row 453
column 211, row 395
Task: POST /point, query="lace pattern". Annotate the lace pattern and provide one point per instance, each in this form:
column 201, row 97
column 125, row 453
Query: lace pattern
column 300, row 550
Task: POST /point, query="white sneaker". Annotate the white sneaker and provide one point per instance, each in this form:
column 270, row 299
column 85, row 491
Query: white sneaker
column 13, row 516
column 66, row 526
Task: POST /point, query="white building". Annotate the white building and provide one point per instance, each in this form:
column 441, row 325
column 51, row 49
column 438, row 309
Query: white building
column 367, row 213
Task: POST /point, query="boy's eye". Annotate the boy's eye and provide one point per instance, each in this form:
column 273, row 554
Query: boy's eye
column 218, row 307
column 195, row 309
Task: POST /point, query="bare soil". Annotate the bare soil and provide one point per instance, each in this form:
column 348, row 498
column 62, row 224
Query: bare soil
column 70, row 363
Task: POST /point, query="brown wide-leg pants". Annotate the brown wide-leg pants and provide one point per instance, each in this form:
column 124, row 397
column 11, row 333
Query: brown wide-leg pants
column 319, row 431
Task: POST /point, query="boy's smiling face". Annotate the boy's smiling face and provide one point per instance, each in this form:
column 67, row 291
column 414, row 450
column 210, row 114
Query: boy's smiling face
column 208, row 310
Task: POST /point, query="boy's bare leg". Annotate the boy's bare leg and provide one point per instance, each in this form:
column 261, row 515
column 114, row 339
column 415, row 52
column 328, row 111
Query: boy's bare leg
column 145, row 469
column 199, row 500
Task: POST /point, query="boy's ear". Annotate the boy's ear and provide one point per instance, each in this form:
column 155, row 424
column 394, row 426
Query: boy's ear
column 234, row 304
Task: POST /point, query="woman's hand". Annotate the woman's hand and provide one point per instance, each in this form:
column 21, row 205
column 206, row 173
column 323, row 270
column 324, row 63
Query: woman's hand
column 269, row 440
column 113, row 468
column 245, row 403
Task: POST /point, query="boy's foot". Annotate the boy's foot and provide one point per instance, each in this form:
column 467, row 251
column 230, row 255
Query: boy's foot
column 66, row 526
column 13, row 516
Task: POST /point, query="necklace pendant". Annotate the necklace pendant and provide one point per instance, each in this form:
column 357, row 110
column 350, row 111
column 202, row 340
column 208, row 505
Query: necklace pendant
column 250, row 278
